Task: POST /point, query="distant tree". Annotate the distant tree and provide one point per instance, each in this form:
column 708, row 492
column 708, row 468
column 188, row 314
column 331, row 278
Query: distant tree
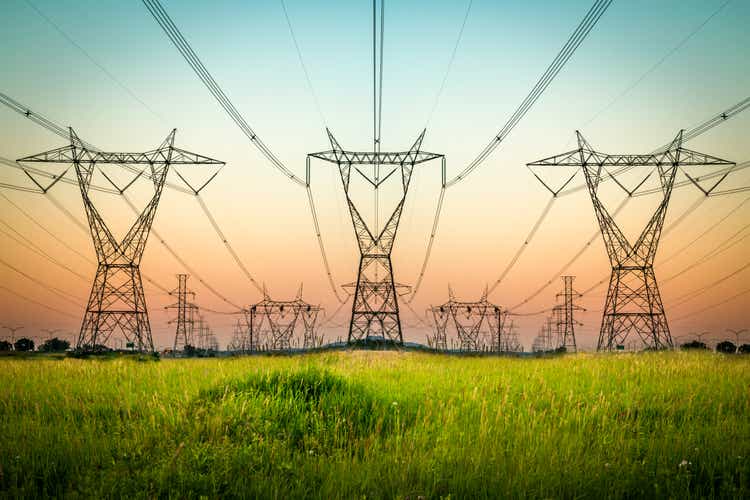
column 726, row 347
column 5, row 345
column 54, row 345
column 744, row 349
column 24, row 344
column 694, row 344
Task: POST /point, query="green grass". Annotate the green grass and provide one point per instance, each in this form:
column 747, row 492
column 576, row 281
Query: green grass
column 377, row 425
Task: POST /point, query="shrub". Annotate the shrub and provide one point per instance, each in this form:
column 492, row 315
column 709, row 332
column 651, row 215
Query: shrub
column 5, row 345
column 694, row 344
column 54, row 345
column 24, row 344
column 744, row 349
column 726, row 347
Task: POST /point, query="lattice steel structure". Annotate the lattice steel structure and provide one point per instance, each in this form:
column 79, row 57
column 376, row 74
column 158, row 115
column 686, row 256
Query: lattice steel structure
column 478, row 325
column 117, row 302
column 375, row 309
column 633, row 304
column 185, row 319
column 271, row 324
column 563, row 314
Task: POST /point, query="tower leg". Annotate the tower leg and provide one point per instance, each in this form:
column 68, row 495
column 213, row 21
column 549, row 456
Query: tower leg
column 375, row 312
column 634, row 307
column 117, row 305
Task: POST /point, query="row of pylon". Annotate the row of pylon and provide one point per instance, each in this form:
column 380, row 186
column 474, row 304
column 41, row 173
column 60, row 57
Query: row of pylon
column 117, row 302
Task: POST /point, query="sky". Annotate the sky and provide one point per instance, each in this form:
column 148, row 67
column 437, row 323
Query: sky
column 631, row 85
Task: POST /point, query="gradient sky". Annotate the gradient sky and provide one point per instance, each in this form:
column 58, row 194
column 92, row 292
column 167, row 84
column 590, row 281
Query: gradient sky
column 146, row 89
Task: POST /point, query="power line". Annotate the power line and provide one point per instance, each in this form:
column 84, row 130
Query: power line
column 42, row 304
column 450, row 64
column 302, row 63
column 658, row 63
column 588, row 22
column 92, row 60
column 714, row 305
column 686, row 297
column 178, row 40
column 26, row 243
column 574, row 41
column 61, row 294
column 52, row 235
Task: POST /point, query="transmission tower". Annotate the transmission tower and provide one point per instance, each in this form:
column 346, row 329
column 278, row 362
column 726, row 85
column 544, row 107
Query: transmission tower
column 185, row 314
column 566, row 336
column 274, row 322
column 633, row 304
column 117, row 302
column 375, row 310
column 440, row 316
column 476, row 324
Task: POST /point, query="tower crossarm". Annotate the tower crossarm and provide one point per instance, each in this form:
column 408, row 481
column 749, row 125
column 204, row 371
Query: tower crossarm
column 583, row 157
column 372, row 158
column 76, row 153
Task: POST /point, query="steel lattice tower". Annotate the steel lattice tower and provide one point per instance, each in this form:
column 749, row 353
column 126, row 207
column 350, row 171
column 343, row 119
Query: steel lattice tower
column 633, row 304
column 274, row 322
column 185, row 318
column 564, row 315
column 375, row 310
column 117, row 302
column 474, row 322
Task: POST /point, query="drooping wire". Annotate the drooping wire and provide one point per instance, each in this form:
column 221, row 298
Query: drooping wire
column 302, row 64
column 452, row 58
column 525, row 244
column 181, row 260
column 656, row 65
column 56, row 291
column 713, row 306
column 686, row 297
column 430, row 243
column 567, row 264
column 566, row 52
column 92, row 60
column 43, row 228
column 591, row 18
column 30, row 245
column 229, row 247
column 41, row 304
column 178, row 40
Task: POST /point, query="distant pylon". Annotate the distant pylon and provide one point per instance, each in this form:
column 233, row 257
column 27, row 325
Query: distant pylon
column 117, row 302
column 185, row 318
column 375, row 309
column 633, row 304
column 564, row 315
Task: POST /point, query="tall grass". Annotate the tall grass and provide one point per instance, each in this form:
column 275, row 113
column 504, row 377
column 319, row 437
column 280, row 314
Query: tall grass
column 378, row 425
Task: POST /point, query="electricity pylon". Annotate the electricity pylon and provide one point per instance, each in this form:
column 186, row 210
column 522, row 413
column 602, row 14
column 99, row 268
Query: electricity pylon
column 117, row 302
column 185, row 314
column 633, row 303
column 564, row 315
column 375, row 310
column 473, row 322
column 276, row 321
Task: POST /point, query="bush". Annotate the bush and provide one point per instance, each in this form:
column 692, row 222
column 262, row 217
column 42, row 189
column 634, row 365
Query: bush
column 5, row 345
column 55, row 345
column 24, row 344
column 693, row 344
column 744, row 349
column 726, row 347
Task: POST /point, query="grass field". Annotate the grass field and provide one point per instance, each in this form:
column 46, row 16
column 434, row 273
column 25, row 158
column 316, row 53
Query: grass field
column 378, row 425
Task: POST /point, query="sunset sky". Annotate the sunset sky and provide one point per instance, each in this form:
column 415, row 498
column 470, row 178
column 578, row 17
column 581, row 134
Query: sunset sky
column 633, row 83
